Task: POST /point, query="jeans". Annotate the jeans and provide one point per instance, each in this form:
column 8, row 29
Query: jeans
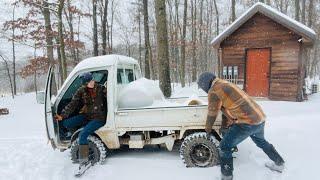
column 89, row 126
column 235, row 135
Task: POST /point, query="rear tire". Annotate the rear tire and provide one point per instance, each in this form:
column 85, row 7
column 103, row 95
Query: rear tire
column 97, row 150
column 199, row 150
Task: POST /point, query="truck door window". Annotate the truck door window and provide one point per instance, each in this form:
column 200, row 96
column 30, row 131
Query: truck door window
column 99, row 76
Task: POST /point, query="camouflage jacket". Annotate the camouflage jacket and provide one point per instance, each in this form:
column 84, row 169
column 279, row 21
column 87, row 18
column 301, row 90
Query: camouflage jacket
column 236, row 102
column 93, row 106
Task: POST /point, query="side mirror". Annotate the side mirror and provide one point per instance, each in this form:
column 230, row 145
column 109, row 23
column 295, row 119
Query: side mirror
column 40, row 97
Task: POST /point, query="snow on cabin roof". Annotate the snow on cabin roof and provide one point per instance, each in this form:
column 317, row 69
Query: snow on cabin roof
column 273, row 14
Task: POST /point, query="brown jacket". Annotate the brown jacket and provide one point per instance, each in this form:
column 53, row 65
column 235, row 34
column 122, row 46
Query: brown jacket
column 241, row 107
column 94, row 106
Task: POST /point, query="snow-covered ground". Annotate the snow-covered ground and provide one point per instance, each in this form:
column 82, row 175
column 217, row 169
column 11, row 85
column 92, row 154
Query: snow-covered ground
column 292, row 127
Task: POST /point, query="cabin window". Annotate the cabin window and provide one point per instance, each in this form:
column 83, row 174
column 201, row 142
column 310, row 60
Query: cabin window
column 231, row 73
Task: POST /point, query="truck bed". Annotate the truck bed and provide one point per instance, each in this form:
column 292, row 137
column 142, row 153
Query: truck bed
column 173, row 117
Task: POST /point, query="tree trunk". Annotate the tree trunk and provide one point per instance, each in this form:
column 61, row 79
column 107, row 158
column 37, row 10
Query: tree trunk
column 297, row 10
column 95, row 28
column 315, row 61
column 48, row 31
column 61, row 40
column 35, row 71
column 193, row 36
column 217, row 17
column 286, row 5
column 59, row 61
column 78, row 37
column 172, row 38
column 139, row 31
column 9, row 76
column 148, row 55
column 303, row 12
column 183, row 45
column 163, row 53
column 310, row 15
column 69, row 17
column 14, row 54
column 176, row 38
column 110, row 35
column 49, row 35
column 104, row 27
column 233, row 10
column 281, row 6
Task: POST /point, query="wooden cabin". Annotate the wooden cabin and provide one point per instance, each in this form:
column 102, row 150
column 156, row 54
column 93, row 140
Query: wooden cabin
column 262, row 51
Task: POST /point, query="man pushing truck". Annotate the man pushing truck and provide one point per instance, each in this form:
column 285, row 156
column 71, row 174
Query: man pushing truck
column 246, row 119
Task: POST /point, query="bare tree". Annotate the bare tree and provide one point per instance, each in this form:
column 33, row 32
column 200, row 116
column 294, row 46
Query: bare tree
column 48, row 31
column 194, row 40
column 61, row 40
column 233, row 10
column 176, row 40
column 163, row 52
column 217, row 17
column 148, row 51
column 14, row 53
column 69, row 18
column 139, row 32
column 110, row 34
column 8, row 73
column 183, row 44
column 95, row 28
column 104, row 24
column 297, row 10
column 310, row 15
column 303, row 11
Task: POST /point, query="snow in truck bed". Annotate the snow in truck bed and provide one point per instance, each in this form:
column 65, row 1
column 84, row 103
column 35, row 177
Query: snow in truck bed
column 291, row 126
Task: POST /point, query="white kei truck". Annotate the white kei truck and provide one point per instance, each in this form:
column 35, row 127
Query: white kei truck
column 181, row 126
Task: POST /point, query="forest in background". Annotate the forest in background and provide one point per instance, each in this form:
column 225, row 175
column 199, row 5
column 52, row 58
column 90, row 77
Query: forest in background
column 63, row 32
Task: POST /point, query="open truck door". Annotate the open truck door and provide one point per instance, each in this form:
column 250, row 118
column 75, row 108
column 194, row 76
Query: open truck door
column 51, row 123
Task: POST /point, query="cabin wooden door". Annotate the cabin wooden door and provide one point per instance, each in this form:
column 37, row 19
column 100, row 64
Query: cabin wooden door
column 258, row 72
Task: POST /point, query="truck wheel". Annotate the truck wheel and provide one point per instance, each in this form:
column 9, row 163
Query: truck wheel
column 97, row 150
column 199, row 150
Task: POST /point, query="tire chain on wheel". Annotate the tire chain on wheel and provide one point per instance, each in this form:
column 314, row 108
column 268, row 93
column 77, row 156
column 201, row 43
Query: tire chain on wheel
column 189, row 141
column 94, row 141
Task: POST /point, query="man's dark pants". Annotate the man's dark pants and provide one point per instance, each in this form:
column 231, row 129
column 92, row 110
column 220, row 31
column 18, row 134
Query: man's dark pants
column 90, row 126
column 235, row 135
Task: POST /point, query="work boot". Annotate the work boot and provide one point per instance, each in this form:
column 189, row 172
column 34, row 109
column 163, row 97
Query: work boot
column 83, row 160
column 226, row 168
column 83, row 153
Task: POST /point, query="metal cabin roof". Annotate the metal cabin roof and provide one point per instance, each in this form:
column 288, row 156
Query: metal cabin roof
column 273, row 14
